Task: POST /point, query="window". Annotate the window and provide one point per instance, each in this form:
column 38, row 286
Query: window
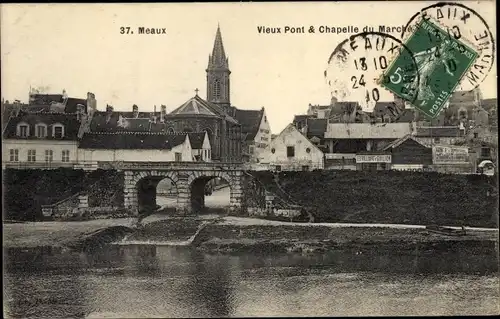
column 41, row 130
column 273, row 150
column 264, row 138
column 436, row 140
column 290, row 151
column 305, row 168
column 476, row 134
column 178, row 157
column 58, row 131
column 265, row 118
column 278, row 168
column 65, row 156
column 14, row 155
column 49, row 154
column 251, row 149
column 23, row 130
column 217, row 89
column 31, row 155
column 308, row 150
column 209, row 151
column 170, row 130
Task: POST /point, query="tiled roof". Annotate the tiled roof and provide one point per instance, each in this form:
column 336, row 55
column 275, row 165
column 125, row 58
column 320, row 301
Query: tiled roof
column 316, row 127
column 439, row 131
column 69, row 121
column 367, row 130
column 250, row 121
column 45, row 99
column 196, row 140
column 400, row 141
column 131, row 140
column 117, row 122
column 71, row 104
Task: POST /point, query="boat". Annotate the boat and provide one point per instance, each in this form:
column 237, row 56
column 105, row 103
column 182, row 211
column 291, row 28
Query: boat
column 446, row 230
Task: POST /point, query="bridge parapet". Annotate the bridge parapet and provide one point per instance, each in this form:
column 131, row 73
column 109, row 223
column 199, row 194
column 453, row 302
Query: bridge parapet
column 180, row 166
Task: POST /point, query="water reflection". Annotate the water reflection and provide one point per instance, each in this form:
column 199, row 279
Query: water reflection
column 149, row 281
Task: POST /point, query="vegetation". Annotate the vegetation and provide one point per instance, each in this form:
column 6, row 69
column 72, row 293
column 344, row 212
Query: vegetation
column 390, row 196
column 25, row 191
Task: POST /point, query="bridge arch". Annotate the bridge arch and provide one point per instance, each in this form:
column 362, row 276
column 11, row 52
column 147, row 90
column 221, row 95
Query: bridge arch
column 140, row 195
column 197, row 183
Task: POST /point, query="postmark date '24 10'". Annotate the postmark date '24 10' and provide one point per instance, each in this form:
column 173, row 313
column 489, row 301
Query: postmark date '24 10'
column 142, row 30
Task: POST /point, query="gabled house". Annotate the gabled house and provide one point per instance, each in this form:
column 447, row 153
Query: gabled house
column 292, row 151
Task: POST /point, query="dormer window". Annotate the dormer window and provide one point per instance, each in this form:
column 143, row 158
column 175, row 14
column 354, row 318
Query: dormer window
column 23, row 130
column 41, row 130
column 58, row 131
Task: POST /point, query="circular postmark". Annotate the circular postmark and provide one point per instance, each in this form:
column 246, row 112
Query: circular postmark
column 467, row 26
column 357, row 71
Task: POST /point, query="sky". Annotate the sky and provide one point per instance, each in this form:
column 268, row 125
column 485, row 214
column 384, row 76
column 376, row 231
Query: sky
column 79, row 48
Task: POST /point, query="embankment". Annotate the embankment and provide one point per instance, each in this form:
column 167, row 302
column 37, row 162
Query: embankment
column 419, row 198
column 242, row 235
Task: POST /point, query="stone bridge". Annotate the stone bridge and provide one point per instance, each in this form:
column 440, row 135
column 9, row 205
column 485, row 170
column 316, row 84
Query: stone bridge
column 190, row 179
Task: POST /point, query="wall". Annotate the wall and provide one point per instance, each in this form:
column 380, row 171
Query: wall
column 88, row 155
column 40, row 146
column 262, row 138
column 291, row 137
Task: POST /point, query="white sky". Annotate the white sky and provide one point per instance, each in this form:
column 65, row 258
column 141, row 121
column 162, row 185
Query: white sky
column 78, row 47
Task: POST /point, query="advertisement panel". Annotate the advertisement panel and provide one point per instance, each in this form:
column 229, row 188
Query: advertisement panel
column 372, row 158
column 448, row 154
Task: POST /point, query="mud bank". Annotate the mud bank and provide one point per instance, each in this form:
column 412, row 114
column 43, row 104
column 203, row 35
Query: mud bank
column 222, row 237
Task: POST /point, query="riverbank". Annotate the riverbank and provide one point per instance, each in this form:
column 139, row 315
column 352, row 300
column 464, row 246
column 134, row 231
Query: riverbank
column 237, row 234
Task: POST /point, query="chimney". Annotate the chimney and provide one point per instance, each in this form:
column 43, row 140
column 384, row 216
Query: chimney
column 153, row 117
column 80, row 111
column 109, row 112
column 135, row 111
column 163, row 113
column 91, row 102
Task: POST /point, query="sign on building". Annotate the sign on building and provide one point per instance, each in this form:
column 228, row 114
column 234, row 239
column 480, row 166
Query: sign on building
column 450, row 154
column 372, row 158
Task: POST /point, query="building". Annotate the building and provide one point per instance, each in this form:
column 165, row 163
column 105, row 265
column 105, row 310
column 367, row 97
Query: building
column 432, row 135
column 292, row 151
column 96, row 147
column 407, row 153
column 43, row 139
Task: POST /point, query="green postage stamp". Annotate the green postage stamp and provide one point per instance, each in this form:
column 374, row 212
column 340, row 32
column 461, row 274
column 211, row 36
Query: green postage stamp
column 439, row 62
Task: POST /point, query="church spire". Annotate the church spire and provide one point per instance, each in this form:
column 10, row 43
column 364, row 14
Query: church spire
column 218, row 88
column 218, row 58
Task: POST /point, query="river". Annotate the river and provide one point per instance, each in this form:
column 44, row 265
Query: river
column 159, row 281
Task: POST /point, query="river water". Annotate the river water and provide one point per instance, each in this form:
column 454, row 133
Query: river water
column 158, row 281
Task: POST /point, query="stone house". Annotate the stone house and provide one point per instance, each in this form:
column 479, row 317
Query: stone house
column 292, row 151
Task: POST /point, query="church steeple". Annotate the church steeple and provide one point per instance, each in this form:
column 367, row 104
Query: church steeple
column 218, row 73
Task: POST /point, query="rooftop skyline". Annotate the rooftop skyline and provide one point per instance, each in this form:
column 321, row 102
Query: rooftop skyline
column 79, row 48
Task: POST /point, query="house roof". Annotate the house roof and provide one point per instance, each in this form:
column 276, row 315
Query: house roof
column 316, row 127
column 400, row 141
column 131, row 140
column 45, row 99
column 117, row 122
column 196, row 140
column 69, row 121
column 439, row 131
column 367, row 130
column 71, row 104
column 250, row 121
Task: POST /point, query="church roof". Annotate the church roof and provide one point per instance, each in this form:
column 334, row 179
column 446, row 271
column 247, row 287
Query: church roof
column 250, row 121
column 131, row 140
column 195, row 106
